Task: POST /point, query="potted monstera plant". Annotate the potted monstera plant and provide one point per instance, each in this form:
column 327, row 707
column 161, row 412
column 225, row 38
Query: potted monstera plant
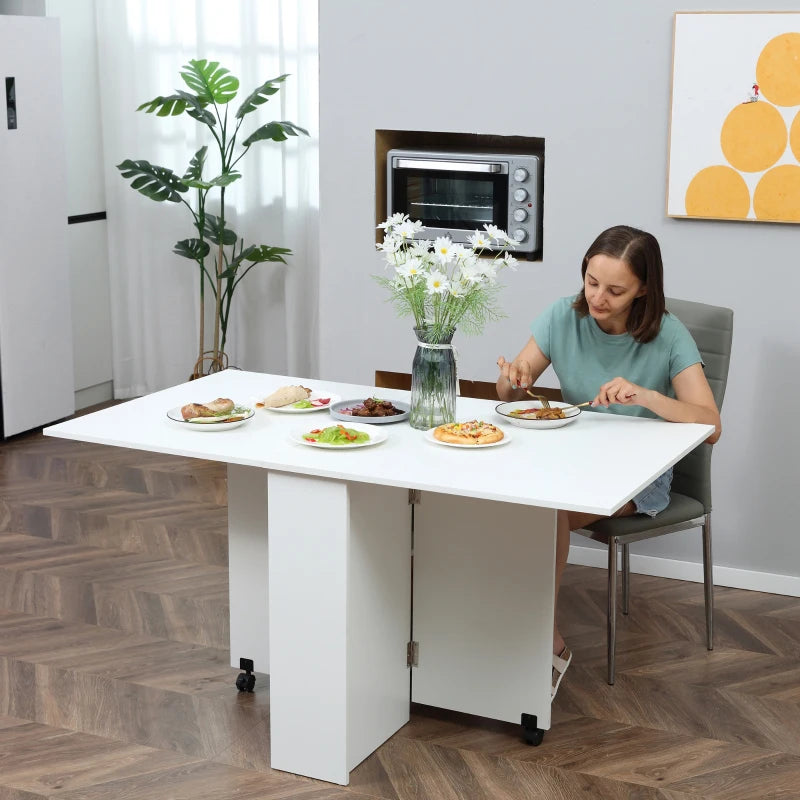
column 220, row 254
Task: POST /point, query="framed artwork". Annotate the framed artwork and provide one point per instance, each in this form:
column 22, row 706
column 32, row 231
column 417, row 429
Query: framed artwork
column 734, row 142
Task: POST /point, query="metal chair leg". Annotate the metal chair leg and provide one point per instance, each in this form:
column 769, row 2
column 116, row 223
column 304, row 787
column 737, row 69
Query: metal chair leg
column 708, row 580
column 612, row 606
column 626, row 577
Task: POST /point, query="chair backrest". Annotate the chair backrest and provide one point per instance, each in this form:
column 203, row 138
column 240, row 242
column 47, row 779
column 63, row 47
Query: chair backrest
column 712, row 329
column 482, row 390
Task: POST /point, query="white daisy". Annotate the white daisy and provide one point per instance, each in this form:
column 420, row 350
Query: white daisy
column 509, row 261
column 490, row 271
column 471, row 273
column 493, row 231
column 458, row 288
column 420, row 247
column 391, row 244
column 438, row 283
column 412, row 268
column 459, row 252
column 479, row 240
column 395, row 219
column 441, row 249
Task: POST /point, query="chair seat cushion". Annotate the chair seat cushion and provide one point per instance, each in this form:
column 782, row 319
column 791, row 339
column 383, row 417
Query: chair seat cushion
column 680, row 509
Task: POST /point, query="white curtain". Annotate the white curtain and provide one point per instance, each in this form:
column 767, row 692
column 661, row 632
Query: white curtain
column 143, row 44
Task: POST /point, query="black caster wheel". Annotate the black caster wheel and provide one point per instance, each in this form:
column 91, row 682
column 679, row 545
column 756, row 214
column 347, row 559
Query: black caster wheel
column 534, row 736
column 245, row 681
column 531, row 732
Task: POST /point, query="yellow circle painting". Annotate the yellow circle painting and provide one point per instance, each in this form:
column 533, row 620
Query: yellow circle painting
column 794, row 136
column 753, row 136
column 777, row 195
column 718, row 192
column 778, row 70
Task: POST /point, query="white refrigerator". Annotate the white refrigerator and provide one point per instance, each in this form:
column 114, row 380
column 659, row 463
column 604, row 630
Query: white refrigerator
column 36, row 359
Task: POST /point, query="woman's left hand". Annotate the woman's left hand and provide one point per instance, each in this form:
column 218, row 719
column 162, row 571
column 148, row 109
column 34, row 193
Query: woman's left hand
column 621, row 391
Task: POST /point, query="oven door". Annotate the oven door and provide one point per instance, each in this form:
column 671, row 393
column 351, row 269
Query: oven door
column 451, row 196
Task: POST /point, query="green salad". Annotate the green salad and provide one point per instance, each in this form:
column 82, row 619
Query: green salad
column 336, row 434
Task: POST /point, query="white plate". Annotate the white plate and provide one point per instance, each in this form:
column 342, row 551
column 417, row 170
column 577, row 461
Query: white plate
column 209, row 423
column 313, row 396
column 503, row 410
column 431, row 438
column 336, row 413
column 376, row 436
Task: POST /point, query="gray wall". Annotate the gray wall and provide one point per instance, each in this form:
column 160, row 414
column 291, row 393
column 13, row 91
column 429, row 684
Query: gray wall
column 593, row 79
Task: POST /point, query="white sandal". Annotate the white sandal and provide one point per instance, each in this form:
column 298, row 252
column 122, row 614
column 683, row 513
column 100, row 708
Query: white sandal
column 560, row 664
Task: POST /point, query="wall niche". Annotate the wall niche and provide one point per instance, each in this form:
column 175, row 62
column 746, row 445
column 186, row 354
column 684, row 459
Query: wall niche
column 386, row 140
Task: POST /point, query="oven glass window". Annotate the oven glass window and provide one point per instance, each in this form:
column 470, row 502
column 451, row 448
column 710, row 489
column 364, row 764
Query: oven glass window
column 461, row 200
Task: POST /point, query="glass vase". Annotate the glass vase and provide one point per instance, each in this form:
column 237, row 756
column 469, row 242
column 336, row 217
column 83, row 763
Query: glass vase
column 433, row 380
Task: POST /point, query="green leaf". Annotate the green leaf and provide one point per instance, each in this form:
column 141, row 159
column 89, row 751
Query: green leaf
column 178, row 103
column 263, row 252
column 226, row 179
column 256, row 254
column 276, row 131
column 211, row 83
column 196, row 108
column 157, row 183
column 194, row 172
column 214, row 231
column 164, row 106
column 260, row 95
column 195, row 249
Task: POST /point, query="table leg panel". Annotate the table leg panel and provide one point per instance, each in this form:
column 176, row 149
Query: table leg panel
column 248, row 565
column 483, row 606
column 339, row 621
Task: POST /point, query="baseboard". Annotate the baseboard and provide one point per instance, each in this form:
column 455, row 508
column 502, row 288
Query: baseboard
column 690, row 571
column 92, row 395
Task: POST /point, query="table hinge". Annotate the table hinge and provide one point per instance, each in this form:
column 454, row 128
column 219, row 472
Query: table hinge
column 412, row 654
column 414, row 497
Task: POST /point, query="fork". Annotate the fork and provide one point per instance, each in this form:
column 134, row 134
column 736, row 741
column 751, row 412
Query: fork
column 543, row 400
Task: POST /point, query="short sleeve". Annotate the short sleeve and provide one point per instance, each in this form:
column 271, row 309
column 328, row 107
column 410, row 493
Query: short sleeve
column 541, row 330
column 684, row 350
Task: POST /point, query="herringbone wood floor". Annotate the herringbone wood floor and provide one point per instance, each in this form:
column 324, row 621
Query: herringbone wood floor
column 114, row 680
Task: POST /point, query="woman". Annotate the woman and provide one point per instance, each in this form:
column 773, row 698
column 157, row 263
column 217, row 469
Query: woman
column 616, row 343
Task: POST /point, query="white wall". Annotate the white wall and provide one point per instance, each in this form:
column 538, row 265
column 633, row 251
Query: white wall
column 593, row 79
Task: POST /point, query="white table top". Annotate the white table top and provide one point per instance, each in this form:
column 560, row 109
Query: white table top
column 595, row 464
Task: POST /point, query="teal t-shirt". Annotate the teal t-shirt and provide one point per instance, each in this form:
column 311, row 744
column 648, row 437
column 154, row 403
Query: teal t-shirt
column 584, row 357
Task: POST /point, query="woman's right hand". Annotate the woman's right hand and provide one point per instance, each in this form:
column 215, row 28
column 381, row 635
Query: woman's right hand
column 518, row 372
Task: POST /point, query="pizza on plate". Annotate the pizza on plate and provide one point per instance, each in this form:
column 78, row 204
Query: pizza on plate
column 472, row 432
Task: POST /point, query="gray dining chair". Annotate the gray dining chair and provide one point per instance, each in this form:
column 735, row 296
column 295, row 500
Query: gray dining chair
column 690, row 496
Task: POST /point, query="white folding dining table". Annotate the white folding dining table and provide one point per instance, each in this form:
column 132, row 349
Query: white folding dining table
column 320, row 546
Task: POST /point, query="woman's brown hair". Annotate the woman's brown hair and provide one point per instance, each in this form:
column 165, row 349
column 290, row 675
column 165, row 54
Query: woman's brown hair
column 640, row 251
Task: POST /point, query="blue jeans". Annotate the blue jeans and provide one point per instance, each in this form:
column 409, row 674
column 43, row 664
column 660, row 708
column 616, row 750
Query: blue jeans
column 655, row 497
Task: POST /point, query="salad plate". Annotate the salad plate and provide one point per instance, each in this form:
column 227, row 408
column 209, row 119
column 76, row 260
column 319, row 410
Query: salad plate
column 308, row 436
column 431, row 438
column 339, row 411
column 317, row 401
column 224, row 422
column 511, row 413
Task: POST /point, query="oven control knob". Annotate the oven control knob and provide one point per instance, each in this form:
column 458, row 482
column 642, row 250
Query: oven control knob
column 520, row 195
column 520, row 174
column 520, row 215
column 520, row 235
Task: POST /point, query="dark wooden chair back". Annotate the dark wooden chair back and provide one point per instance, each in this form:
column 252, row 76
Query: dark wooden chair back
column 482, row 390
